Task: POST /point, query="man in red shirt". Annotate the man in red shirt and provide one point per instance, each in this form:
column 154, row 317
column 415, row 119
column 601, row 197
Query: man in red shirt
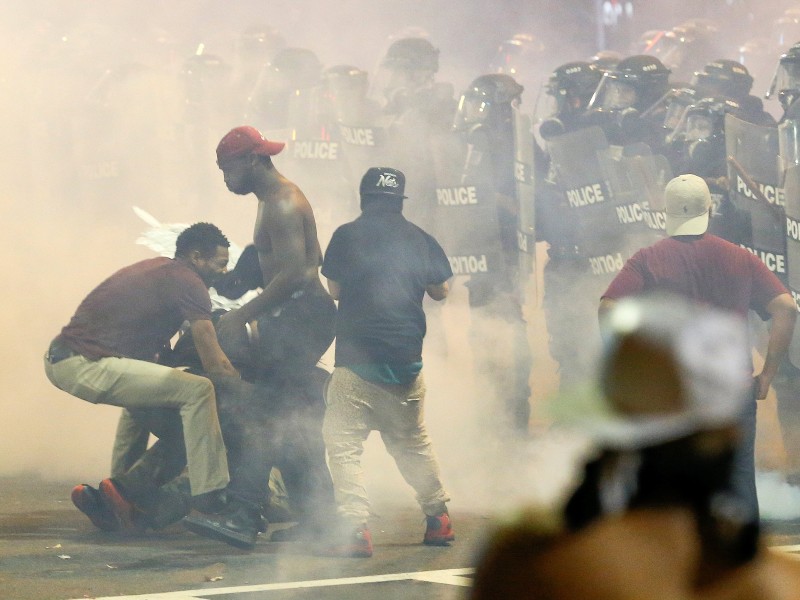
column 710, row 270
column 107, row 353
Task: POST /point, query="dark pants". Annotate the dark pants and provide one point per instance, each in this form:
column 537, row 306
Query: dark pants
column 277, row 424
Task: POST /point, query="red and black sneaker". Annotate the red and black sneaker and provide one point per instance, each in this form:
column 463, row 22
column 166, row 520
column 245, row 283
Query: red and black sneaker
column 356, row 544
column 439, row 530
column 90, row 502
column 123, row 511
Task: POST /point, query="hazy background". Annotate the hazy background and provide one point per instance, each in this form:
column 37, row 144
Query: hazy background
column 92, row 122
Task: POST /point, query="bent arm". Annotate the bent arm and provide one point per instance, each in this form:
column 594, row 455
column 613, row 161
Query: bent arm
column 212, row 357
column 438, row 291
column 783, row 311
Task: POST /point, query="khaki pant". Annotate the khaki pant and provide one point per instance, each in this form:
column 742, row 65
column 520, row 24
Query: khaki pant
column 354, row 408
column 130, row 383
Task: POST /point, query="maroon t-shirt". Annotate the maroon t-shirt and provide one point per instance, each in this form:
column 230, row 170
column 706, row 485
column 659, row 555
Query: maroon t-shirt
column 704, row 268
column 135, row 312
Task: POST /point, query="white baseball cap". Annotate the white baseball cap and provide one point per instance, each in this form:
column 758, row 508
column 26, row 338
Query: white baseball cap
column 687, row 201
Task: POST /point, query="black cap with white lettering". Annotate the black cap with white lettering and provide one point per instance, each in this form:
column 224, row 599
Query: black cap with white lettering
column 383, row 181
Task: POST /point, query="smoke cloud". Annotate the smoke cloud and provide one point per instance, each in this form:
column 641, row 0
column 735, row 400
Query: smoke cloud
column 95, row 120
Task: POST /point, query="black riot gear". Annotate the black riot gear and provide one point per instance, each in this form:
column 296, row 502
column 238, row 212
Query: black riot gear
column 636, row 82
column 623, row 104
column 698, row 143
column 571, row 87
column 725, row 78
column 786, row 82
column 413, row 54
column 487, row 101
column 284, row 88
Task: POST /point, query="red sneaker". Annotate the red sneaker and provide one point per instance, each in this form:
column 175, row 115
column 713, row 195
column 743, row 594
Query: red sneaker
column 439, row 531
column 358, row 544
column 90, row 502
column 123, row 510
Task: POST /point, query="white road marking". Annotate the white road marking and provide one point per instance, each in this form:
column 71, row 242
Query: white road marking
column 446, row 576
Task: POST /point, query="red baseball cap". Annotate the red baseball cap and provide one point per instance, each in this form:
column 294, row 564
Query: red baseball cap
column 246, row 140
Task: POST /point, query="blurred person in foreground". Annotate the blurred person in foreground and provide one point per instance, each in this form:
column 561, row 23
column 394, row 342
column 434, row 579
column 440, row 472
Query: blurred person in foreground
column 379, row 267
column 107, row 355
column 653, row 516
column 705, row 268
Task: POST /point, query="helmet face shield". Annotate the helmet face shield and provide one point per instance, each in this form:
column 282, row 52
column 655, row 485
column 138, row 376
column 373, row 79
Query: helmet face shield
column 614, row 94
column 472, row 108
column 676, row 109
column 699, row 126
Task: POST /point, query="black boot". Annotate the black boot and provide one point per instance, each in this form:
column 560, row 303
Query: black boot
column 238, row 525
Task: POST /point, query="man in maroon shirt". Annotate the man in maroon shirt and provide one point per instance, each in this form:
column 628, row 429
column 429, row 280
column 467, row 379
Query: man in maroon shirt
column 107, row 353
column 707, row 269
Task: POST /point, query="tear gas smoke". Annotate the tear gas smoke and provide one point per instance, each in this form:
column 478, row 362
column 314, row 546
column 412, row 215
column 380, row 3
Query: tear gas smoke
column 96, row 120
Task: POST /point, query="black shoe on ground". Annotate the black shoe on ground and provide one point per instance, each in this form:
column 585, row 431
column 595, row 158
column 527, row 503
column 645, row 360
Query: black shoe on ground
column 238, row 526
column 89, row 501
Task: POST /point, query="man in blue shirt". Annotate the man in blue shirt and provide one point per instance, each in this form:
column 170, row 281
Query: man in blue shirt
column 379, row 267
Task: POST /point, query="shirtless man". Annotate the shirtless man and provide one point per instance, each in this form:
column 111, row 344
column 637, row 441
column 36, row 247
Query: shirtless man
column 292, row 325
column 285, row 232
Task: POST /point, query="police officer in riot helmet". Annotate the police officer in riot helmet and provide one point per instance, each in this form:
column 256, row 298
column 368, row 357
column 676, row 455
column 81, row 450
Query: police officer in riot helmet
column 621, row 103
column 342, row 96
column 485, row 117
column 723, row 78
column 697, row 146
column 786, row 82
column 282, row 95
column 407, row 81
column 570, row 87
column 484, row 114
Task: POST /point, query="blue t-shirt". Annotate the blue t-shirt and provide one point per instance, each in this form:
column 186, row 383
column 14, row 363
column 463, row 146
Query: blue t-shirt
column 382, row 263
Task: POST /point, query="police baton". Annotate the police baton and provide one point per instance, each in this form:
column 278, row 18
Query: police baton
column 777, row 211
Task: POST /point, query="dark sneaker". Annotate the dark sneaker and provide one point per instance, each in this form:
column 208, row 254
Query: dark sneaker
column 439, row 531
column 356, row 544
column 237, row 527
column 123, row 510
column 89, row 501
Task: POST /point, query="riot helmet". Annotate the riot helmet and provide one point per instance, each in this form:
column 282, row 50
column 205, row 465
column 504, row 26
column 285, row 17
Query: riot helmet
column 699, row 139
column 517, row 55
column 605, row 60
column 637, row 82
column 407, row 69
column 786, row 82
column 342, row 92
column 678, row 99
column 569, row 90
column 722, row 77
column 488, row 101
column 412, row 54
column 572, row 86
column 259, row 44
column 284, row 86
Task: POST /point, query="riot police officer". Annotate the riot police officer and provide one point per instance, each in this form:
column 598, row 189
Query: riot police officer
column 697, row 146
column 281, row 98
column 416, row 110
column 623, row 99
column 786, row 82
column 485, row 120
column 570, row 87
column 723, row 78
